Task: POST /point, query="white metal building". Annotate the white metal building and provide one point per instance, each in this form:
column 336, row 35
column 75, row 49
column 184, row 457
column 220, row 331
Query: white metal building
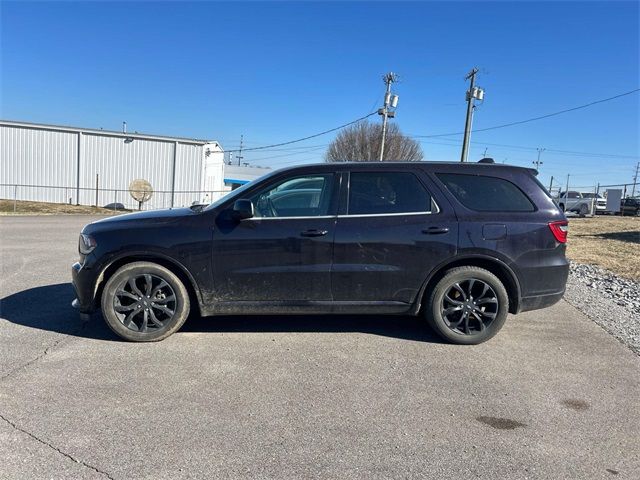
column 58, row 164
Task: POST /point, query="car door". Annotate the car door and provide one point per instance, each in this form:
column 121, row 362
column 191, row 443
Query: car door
column 390, row 234
column 282, row 255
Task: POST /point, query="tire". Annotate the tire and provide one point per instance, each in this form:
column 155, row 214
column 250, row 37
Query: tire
column 485, row 319
column 583, row 210
column 144, row 313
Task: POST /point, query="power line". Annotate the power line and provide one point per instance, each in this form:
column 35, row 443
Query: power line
column 520, row 122
column 533, row 149
column 309, row 137
column 302, row 152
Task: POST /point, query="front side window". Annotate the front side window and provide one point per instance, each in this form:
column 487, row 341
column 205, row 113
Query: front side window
column 306, row 196
column 372, row 193
column 486, row 194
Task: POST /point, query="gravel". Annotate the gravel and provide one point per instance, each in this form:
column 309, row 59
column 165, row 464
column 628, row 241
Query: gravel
column 609, row 300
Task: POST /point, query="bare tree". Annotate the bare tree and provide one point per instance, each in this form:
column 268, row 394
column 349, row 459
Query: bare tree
column 361, row 143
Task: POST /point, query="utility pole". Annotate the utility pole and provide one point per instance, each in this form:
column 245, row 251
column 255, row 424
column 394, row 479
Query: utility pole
column 635, row 180
column 389, row 101
column 537, row 163
column 566, row 192
column 474, row 93
column 239, row 156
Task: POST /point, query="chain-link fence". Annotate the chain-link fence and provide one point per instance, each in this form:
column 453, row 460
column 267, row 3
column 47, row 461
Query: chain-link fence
column 101, row 197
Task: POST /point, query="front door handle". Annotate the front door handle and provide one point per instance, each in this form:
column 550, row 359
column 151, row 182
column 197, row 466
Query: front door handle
column 435, row 230
column 314, row 233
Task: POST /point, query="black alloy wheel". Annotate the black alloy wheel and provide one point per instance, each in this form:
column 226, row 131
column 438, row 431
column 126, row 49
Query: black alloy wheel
column 469, row 306
column 144, row 302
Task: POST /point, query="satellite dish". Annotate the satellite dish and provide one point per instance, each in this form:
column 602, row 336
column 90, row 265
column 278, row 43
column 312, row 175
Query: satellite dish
column 141, row 191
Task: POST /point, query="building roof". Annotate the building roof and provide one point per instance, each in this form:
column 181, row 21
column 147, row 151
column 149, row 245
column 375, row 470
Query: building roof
column 109, row 133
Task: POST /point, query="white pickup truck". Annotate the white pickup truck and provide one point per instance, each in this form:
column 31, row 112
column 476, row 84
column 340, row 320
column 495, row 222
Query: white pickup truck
column 580, row 203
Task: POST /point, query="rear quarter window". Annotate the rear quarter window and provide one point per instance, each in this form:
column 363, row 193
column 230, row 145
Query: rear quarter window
column 486, row 194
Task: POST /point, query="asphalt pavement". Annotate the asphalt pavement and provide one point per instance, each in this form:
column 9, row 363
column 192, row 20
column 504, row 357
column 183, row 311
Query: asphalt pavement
column 552, row 396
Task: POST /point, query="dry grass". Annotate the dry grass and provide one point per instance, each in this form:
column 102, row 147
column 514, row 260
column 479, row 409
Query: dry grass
column 43, row 208
column 610, row 242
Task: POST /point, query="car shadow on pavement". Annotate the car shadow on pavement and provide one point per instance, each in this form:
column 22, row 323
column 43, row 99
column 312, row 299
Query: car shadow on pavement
column 49, row 308
column 396, row 326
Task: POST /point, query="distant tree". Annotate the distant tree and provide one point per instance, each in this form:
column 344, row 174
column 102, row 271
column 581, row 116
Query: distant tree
column 361, row 143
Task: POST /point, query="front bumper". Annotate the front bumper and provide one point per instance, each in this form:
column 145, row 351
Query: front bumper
column 84, row 282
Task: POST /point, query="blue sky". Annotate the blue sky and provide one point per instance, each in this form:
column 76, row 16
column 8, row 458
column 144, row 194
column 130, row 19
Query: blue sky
column 280, row 71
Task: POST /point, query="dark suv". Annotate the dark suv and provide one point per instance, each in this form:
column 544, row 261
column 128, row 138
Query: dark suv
column 462, row 244
column 630, row 206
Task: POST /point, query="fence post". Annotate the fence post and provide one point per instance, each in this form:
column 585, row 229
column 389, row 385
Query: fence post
column 15, row 198
column 173, row 173
column 97, row 179
column 79, row 155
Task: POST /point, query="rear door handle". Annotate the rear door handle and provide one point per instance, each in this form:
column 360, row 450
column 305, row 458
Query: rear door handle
column 435, row 230
column 314, row 233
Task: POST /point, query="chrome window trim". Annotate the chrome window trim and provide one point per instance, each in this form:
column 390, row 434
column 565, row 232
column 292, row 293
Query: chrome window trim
column 395, row 214
column 289, row 218
column 355, row 215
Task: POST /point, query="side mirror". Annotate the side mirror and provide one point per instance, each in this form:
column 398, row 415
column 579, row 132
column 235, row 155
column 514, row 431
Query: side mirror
column 243, row 209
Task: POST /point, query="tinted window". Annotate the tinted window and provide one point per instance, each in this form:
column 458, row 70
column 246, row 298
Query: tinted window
column 308, row 196
column 486, row 194
column 386, row 192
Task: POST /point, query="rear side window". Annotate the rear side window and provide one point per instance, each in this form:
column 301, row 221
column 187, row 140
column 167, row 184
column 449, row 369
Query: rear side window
column 486, row 194
column 372, row 193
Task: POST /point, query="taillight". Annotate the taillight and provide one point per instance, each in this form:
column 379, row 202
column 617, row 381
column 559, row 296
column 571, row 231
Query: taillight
column 560, row 230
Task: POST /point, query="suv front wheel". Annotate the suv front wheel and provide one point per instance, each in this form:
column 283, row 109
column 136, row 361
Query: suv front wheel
column 469, row 305
column 144, row 302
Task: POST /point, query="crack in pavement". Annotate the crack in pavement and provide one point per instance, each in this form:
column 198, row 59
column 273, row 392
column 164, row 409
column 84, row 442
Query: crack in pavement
column 53, row 447
column 34, row 360
column 61, row 341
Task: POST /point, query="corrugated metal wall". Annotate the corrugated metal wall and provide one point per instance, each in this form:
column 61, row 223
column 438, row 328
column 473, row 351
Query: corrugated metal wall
column 48, row 159
column 38, row 157
column 189, row 167
column 118, row 163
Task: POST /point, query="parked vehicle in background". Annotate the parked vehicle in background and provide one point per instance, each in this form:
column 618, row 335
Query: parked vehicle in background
column 630, row 206
column 600, row 203
column 581, row 203
column 115, row 206
column 461, row 244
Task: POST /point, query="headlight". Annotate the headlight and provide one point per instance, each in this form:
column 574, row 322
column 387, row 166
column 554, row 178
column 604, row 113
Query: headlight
column 86, row 244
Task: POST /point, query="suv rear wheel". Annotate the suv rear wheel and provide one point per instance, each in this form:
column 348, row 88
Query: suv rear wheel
column 469, row 305
column 144, row 302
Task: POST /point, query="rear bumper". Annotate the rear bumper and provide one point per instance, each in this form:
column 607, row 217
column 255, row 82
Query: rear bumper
column 540, row 301
column 543, row 285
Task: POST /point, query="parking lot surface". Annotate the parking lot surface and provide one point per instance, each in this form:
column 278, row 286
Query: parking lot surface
column 552, row 396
